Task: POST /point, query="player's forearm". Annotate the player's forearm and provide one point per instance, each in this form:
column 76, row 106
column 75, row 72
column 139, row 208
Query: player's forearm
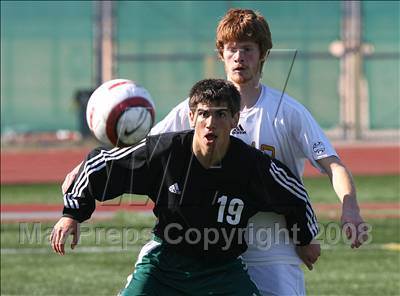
column 342, row 181
column 344, row 187
column 92, row 183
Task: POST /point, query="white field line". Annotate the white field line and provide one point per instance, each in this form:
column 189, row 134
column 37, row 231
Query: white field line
column 55, row 215
column 114, row 249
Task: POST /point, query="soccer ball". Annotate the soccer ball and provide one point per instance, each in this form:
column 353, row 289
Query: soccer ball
column 120, row 113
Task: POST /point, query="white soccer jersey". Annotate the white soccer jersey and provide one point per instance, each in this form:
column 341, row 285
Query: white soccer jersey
column 175, row 121
column 292, row 138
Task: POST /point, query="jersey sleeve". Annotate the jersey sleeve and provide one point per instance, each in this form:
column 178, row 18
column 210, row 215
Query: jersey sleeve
column 278, row 190
column 107, row 174
column 312, row 141
column 176, row 120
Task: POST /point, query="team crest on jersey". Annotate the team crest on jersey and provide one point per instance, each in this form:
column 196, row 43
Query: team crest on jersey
column 318, row 148
column 239, row 130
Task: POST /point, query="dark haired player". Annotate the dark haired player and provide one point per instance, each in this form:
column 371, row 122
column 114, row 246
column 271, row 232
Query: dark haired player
column 205, row 185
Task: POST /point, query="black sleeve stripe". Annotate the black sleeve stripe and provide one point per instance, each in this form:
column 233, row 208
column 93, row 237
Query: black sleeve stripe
column 312, row 225
column 92, row 165
column 288, row 186
column 70, row 203
column 114, row 151
column 89, row 168
column 101, row 159
column 289, row 181
column 281, row 173
column 314, row 229
column 279, row 178
column 66, row 203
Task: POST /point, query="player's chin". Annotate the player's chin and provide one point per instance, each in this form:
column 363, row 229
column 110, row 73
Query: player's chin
column 239, row 78
column 210, row 141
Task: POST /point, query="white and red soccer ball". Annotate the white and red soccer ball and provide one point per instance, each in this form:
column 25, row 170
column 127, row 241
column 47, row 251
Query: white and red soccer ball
column 120, row 113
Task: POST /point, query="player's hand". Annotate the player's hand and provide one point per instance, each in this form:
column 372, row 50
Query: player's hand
column 61, row 230
column 354, row 226
column 309, row 253
column 69, row 178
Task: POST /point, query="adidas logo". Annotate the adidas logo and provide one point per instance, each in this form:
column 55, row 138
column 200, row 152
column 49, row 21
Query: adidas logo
column 239, row 130
column 174, row 188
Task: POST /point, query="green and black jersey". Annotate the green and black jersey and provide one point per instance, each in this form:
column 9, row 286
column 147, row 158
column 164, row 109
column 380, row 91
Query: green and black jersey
column 200, row 212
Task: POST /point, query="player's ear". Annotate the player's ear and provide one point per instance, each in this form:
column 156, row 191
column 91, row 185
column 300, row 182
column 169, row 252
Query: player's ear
column 220, row 54
column 192, row 118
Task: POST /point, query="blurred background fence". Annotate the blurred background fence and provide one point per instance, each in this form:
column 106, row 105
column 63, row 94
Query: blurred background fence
column 346, row 71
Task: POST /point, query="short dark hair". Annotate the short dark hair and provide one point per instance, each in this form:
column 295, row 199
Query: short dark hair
column 215, row 91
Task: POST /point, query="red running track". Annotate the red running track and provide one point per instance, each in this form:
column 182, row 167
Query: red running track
column 51, row 165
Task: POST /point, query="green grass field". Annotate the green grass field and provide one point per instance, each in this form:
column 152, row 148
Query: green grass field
column 370, row 188
column 108, row 249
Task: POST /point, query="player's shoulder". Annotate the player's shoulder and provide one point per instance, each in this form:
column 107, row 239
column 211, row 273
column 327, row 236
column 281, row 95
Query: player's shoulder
column 180, row 111
column 246, row 151
column 182, row 107
column 287, row 102
column 162, row 143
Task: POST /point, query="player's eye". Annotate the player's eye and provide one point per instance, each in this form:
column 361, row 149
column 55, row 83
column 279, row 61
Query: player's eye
column 246, row 50
column 231, row 50
column 206, row 114
column 222, row 114
column 203, row 113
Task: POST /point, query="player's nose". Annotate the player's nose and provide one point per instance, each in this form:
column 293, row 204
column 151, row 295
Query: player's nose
column 239, row 56
column 210, row 121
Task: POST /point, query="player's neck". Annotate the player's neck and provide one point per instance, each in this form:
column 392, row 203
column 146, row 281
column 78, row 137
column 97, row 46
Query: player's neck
column 209, row 156
column 249, row 92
